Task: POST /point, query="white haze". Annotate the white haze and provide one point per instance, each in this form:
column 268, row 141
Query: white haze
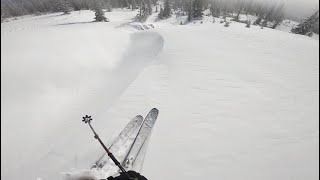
column 299, row 9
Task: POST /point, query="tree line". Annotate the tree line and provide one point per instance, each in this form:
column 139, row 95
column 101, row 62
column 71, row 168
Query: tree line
column 12, row 8
column 269, row 13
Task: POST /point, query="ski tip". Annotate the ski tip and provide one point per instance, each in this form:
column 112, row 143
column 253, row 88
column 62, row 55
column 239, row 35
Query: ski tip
column 139, row 116
column 155, row 109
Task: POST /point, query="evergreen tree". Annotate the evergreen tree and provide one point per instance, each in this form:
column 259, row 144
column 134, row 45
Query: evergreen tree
column 109, row 9
column 166, row 9
column 216, row 11
column 278, row 16
column 264, row 23
column 149, row 7
column 63, row 6
column 236, row 18
column 316, row 28
column 99, row 13
column 133, row 4
column 144, row 10
column 268, row 15
column 248, row 23
column 108, row 6
column 226, row 24
column 156, row 8
column 307, row 25
column 190, row 12
column 197, row 9
column 211, row 10
column 258, row 21
column 160, row 15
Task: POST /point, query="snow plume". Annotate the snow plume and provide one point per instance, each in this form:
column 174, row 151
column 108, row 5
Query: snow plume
column 54, row 76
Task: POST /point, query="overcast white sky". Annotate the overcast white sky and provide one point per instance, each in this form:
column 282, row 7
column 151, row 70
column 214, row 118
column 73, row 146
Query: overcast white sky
column 301, row 8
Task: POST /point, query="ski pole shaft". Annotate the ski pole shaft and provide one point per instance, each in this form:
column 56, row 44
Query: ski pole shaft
column 88, row 119
column 107, row 150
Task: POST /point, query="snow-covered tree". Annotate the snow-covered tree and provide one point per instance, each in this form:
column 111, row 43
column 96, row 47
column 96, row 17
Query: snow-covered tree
column 99, row 13
column 307, row 25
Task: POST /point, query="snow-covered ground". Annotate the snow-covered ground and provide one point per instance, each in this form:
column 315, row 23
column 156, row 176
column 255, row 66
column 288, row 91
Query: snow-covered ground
column 235, row 103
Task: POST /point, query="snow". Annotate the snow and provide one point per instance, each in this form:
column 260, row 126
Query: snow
column 234, row 102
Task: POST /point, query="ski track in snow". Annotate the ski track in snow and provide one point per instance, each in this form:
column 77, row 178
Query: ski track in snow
column 244, row 106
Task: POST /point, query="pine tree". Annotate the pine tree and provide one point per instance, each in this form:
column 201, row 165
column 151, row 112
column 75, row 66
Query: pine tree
column 226, row 24
column 197, row 9
column 167, row 9
column 248, row 23
column 156, row 9
column 211, row 10
column 278, row 16
column 258, row 21
column 99, row 13
column 215, row 10
column 108, row 6
column 264, row 23
column 63, row 6
column 190, row 12
column 316, row 28
column 307, row 25
column 160, row 15
column 133, row 5
column 149, row 7
column 144, row 10
column 236, row 18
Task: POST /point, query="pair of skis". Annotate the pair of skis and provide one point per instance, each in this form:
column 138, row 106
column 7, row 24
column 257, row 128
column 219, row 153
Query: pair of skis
column 129, row 145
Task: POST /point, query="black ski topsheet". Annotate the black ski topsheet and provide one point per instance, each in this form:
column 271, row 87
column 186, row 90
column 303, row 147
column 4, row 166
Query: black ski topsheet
column 141, row 140
column 128, row 132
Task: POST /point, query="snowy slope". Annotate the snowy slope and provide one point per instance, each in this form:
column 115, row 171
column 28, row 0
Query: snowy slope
column 235, row 103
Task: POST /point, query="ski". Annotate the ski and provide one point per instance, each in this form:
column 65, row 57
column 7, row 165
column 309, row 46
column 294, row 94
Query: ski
column 141, row 139
column 137, row 164
column 127, row 133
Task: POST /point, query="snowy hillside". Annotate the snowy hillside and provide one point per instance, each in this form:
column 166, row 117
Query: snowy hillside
column 235, row 103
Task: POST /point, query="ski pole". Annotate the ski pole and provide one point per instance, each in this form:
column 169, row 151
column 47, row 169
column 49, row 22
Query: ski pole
column 88, row 119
